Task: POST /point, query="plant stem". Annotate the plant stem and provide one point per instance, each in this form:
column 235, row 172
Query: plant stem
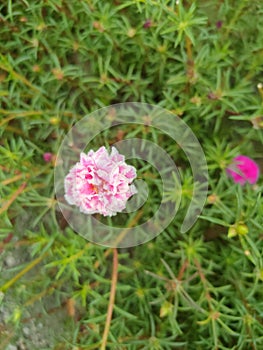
column 12, row 198
column 112, row 298
column 22, row 273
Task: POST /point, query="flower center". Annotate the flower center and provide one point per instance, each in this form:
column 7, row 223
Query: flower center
column 94, row 188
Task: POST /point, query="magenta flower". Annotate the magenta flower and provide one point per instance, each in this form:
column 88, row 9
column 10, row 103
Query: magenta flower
column 47, row 157
column 243, row 169
column 147, row 24
column 100, row 182
column 219, row 24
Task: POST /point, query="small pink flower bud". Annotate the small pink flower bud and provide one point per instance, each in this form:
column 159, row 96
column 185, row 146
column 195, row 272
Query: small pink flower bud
column 47, row 157
column 147, row 24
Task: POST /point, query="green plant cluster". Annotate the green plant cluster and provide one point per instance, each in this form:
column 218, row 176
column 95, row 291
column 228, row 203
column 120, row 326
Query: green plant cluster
column 60, row 60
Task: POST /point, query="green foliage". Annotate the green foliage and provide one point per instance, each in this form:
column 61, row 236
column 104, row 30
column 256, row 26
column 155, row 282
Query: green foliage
column 61, row 60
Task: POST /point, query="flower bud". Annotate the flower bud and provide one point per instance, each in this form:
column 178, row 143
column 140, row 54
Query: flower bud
column 242, row 229
column 166, row 309
column 232, row 232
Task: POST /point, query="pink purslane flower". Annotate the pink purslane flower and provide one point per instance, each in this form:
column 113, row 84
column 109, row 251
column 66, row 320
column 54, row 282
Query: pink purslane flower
column 100, row 182
column 243, row 169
